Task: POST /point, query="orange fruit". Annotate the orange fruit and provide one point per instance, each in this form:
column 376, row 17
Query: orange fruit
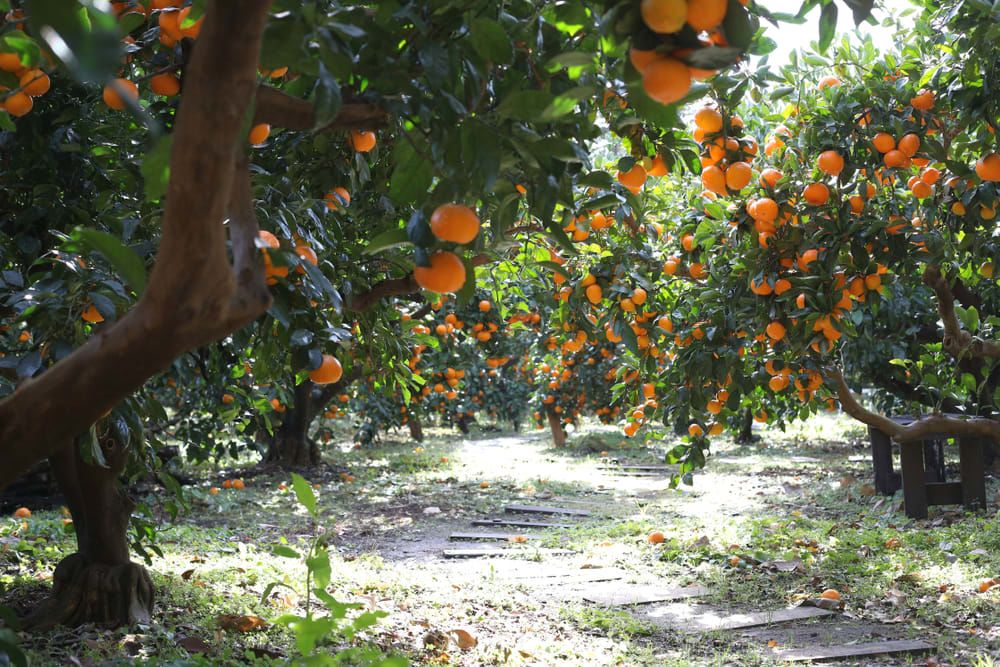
column 227, row 484
column 924, row 101
column 765, row 209
column 988, row 167
column 984, row 585
column 362, row 141
column 18, row 104
column 830, row 594
column 738, row 176
column 883, row 142
column 640, row 58
column 306, row 254
column 778, row 383
column 455, row 222
column 921, row 190
column 22, row 513
column 238, row 484
column 259, row 133
column 594, row 294
column 664, row 16
column 167, row 85
column 770, row 177
column 706, row 14
column 214, row 490
column 666, row 80
column 92, row 315
column 695, row 431
column 336, row 198
column 708, row 119
column 445, row 274
column 112, row 96
column 895, row 158
column 277, row 406
column 656, row 537
column 34, row 82
column 634, row 178
column 830, row 163
column 775, row 330
column 329, row 371
column 10, row 62
column 697, row 270
column 227, row 399
column 909, row 145
column 658, row 167
column 828, row 82
column 816, row 194
column 485, row 306
column 713, row 179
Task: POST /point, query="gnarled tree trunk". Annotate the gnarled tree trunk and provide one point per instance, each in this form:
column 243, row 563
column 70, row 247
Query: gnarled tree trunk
column 291, row 446
column 416, row 428
column 555, row 425
column 745, row 436
column 99, row 583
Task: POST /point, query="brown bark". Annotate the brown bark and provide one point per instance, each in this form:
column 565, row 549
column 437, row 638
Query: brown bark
column 97, row 584
column 555, row 425
column 194, row 295
column 921, row 429
column 281, row 110
column 291, row 446
column 416, row 428
column 958, row 342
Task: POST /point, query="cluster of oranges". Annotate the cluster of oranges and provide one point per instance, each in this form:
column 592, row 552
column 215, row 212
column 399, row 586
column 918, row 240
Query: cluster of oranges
column 236, row 484
column 32, row 83
column 445, row 273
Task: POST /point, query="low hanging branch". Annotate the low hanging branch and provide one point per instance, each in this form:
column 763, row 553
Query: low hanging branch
column 935, row 424
column 281, row 110
column 958, row 342
column 194, row 295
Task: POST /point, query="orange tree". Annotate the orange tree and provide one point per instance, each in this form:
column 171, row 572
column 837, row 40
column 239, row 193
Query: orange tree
column 170, row 149
column 832, row 254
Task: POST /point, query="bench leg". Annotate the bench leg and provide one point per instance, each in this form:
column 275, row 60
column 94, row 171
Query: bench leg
column 911, row 459
column 934, row 460
column 973, row 470
column 886, row 481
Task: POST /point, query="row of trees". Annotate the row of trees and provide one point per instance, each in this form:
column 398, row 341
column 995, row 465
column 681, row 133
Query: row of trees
column 223, row 218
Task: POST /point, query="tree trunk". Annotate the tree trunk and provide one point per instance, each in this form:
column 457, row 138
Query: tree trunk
column 463, row 424
column 555, row 425
column 99, row 583
column 291, row 446
column 745, row 436
column 416, row 428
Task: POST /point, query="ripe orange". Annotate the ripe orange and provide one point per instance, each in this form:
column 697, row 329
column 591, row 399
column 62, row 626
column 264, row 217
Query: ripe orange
column 362, row 142
column 306, row 254
column 770, row 177
column 445, row 274
column 34, row 82
column 713, row 179
column 634, row 178
column 455, row 222
column 167, row 85
column 238, row 484
column 664, row 16
column 830, row 163
column 22, row 513
column 883, row 142
column 738, row 175
column 277, row 406
column 778, row 383
column 697, row 270
column 706, row 14
column 695, row 431
column 18, row 104
column 112, row 96
column 640, row 58
column 594, row 294
column 10, row 62
column 227, row 399
column 92, row 315
column 775, row 330
column 336, row 198
column 666, row 80
column 329, row 371
column 709, row 120
column 485, row 306
column 909, row 145
column 259, row 133
column 828, row 82
column 921, row 190
column 988, row 167
column 227, row 484
column 214, row 490
column 658, row 167
column 830, row 594
column 656, row 537
column 923, row 101
column 986, row 584
column 816, row 194
column 765, row 209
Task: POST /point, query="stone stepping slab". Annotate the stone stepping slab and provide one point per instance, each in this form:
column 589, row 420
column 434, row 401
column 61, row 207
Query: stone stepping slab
column 618, row 595
column 517, row 537
column 493, row 553
column 517, row 523
column 581, row 576
column 640, row 466
column 687, row 618
column 542, row 509
column 852, row 650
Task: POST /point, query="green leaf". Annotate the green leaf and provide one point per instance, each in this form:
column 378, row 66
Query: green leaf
column 525, row 105
column 391, row 238
column 87, row 42
column 156, row 168
column 412, row 176
column 285, row 551
column 304, row 493
column 738, row 25
column 121, row 257
column 491, row 41
column 328, row 97
column 319, row 565
column 469, row 288
column 827, row 26
column 283, row 38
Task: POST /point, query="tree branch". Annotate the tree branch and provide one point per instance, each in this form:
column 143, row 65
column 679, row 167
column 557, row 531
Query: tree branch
column 958, row 342
column 934, row 424
column 384, row 289
column 281, row 110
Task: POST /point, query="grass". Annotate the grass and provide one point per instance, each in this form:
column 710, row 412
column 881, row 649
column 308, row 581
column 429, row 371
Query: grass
column 794, row 495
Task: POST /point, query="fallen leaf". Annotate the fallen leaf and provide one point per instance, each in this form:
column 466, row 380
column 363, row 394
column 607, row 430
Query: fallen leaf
column 464, row 639
column 517, row 539
column 241, row 623
column 867, row 490
column 772, row 643
column 525, row 654
column 194, row 645
column 893, row 543
column 186, row 574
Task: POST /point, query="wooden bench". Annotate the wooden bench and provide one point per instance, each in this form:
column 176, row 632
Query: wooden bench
column 922, row 472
